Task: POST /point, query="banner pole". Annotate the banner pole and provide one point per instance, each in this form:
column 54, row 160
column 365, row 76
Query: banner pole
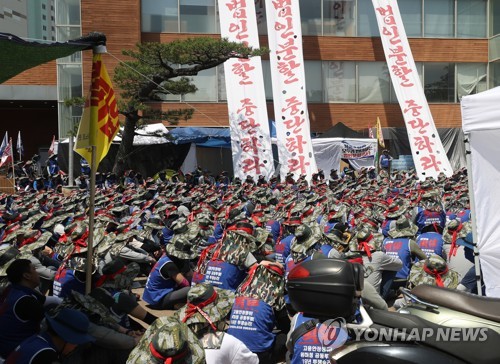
column 90, row 241
column 477, row 264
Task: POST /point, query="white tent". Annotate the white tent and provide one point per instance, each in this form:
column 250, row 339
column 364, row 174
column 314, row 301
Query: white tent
column 481, row 124
column 329, row 151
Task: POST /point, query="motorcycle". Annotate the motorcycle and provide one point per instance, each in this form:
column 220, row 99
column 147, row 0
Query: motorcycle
column 451, row 308
column 330, row 289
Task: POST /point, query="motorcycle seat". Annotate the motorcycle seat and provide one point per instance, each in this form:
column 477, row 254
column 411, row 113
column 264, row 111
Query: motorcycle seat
column 484, row 307
column 483, row 352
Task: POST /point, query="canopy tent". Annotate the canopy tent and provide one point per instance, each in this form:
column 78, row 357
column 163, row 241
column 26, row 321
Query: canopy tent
column 340, row 130
column 481, row 124
column 18, row 55
column 330, row 151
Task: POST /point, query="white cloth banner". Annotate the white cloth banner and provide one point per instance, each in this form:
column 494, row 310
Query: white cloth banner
column 428, row 153
column 246, row 100
column 481, row 123
column 328, row 153
column 289, row 89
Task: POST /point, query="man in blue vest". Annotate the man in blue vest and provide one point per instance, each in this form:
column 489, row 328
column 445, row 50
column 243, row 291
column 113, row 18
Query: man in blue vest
column 258, row 309
column 401, row 243
column 70, row 276
column 21, row 306
column 431, row 240
column 66, row 330
column 429, row 212
column 384, row 161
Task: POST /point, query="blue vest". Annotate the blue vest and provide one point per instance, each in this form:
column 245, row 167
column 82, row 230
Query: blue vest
column 384, row 161
column 14, row 330
column 431, row 243
column 325, row 249
column 273, row 226
column 308, row 348
column 158, row 286
column 224, row 275
column 386, row 226
column 252, row 321
column 400, row 247
column 65, row 282
column 464, row 215
column 167, row 235
column 426, row 217
column 282, row 249
column 25, row 352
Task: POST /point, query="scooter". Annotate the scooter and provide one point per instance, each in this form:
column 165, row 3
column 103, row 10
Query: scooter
column 329, row 290
column 451, row 308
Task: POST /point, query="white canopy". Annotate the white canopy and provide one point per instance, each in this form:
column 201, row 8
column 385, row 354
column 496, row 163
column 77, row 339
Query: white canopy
column 481, row 121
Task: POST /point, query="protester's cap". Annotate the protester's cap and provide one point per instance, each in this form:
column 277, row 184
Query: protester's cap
column 118, row 276
column 183, row 211
column 293, row 220
column 7, row 255
column 38, row 243
column 403, row 228
column 244, row 229
column 216, row 304
column 305, row 238
column 396, row 209
column 79, row 264
column 168, row 341
column 71, row 325
column 154, row 222
column 181, row 247
column 336, row 236
column 435, row 262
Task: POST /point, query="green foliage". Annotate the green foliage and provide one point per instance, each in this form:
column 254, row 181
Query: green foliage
column 159, row 69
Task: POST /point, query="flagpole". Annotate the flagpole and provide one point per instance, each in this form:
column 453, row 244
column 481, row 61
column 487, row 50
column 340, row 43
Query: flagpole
column 90, row 241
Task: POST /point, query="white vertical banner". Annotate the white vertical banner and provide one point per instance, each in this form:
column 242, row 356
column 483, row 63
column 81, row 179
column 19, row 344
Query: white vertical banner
column 289, row 88
column 246, row 99
column 428, row 153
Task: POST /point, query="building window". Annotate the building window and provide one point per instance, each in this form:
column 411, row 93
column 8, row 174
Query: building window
column 411, row 13
column 43, row 6
column 310, row 16
column 471, row 20
column 439, row 81
column 339, row 18
column 438, row 18
column 340, row 81
column 44, row 17
column 158, row 16
column 314, row 81
column 373, row 82
column 206, row 82
column 471, row 79
column 44, row 27
column 197, row 16
column 367, row 21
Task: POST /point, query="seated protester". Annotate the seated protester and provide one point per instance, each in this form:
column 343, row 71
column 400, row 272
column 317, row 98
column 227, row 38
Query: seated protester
column 65, row 332
column 431, row 240
column 469, row 279
column 337, row 214
column 232, row 257
column 305, row 246
column 433, row 271
column 394, row 211
column 429, row 212
column 259, row 308
column 168, row 341
column 21, row 306
column 109, row 335
column 116, row 281
column 335, row 241
column 374, row 261
column 168, row 285
column 71, row 276
column 282, row 247
column 32, row 247
column 401, row 243
column 207, row 315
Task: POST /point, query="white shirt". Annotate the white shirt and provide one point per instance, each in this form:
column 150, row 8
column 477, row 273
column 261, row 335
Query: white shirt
column 233, row 351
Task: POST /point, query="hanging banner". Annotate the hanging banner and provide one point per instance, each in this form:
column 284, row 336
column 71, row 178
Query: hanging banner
column 428, row 153
column 289, row 89
column 357, row 149
column 246, row 100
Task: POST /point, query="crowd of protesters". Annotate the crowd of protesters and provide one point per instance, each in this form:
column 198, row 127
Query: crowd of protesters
column 217, row 251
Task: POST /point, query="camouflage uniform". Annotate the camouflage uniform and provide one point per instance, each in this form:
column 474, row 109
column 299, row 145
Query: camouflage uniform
column 266, row 285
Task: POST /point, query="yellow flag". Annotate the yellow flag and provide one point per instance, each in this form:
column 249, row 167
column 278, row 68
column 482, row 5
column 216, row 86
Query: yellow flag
column 380, row 137
column 99, row 123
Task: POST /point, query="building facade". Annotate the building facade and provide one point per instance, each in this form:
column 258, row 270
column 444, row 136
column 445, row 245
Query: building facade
column 455, row 44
